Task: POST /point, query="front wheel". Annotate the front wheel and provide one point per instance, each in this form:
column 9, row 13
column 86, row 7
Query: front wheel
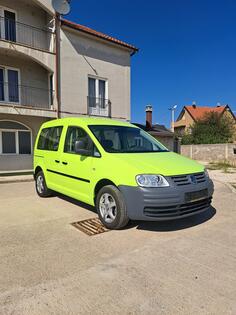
column 111, row 207
column 40, row 185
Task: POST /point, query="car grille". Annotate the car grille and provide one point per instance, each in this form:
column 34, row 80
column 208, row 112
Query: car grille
column 166, row 212
column 182, row 180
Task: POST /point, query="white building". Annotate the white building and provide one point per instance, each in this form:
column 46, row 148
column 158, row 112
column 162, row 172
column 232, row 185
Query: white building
column 95, row 76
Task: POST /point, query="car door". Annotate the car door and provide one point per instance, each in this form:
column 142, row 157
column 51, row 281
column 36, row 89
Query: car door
column 77, row 169
column 48, row 149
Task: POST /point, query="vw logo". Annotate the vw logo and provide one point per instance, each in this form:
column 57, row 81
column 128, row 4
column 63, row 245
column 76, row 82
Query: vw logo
column 193, row 179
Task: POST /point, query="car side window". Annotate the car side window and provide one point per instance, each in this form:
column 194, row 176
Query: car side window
column 49, row 138
column 75, row 134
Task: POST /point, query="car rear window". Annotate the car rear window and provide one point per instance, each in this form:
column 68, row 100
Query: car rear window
column 49, row 138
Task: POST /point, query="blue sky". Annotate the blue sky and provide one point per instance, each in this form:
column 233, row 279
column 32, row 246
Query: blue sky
column 187, row 49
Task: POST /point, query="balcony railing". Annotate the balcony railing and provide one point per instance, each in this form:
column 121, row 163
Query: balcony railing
column 29, row 96
column 99, row 106
column 12, row 31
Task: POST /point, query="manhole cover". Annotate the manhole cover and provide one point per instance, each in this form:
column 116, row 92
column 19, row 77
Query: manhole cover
column 90, row 226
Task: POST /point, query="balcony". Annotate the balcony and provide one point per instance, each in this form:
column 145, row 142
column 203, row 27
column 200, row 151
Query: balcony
column 26, row 96
column 26, row 35
column 99, row 107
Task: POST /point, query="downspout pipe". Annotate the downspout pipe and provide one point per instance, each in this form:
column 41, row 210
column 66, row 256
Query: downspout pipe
column 58, row 62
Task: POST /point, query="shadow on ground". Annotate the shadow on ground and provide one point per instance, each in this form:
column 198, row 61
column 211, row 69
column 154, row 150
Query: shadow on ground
column 174, row 225
column 155, row 226
column 76, row 202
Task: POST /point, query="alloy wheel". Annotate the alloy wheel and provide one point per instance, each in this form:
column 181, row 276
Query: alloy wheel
column 40, row 184
column 108, row 208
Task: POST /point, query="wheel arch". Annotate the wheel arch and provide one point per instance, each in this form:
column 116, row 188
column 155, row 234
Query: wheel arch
column 37, row 169
column 101, row 183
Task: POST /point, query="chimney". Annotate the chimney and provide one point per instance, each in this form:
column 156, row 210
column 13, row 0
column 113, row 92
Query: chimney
column 194, row 104
column 148, row 117
column 218, row 104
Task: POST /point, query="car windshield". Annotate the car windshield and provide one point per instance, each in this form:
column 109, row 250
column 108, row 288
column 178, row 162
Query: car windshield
column 121, row 139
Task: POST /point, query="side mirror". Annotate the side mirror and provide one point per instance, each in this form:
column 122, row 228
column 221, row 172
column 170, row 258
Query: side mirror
column 80, row 148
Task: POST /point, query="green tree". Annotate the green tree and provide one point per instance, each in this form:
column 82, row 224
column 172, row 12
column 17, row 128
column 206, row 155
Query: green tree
column 212, row 128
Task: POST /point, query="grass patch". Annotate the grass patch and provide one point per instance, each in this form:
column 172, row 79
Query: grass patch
column 226, row 167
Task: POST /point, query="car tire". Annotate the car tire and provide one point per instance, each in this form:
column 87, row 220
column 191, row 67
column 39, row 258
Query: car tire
column 41, row 186
column 111, row 208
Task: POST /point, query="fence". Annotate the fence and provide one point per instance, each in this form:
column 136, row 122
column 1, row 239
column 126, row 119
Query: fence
column 211, row 152
column 25, row 95
column 21, row 33
column 98, row 106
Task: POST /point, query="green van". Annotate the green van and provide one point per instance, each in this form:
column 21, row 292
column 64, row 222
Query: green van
column 120, row 169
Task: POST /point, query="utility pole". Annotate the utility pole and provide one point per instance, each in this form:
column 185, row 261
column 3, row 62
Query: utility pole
column 172, row 109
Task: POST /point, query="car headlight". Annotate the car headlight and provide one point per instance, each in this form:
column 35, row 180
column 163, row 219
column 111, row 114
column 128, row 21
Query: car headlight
column 151, row 181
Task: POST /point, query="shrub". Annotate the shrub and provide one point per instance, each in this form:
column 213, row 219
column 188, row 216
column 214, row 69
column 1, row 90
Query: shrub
column 212, row 128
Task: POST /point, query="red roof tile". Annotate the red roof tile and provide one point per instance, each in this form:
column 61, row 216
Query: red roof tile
column 90, row 31
column 197, row 112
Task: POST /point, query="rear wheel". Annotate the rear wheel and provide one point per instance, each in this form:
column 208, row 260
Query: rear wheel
column 41, row 186
column 111, row 207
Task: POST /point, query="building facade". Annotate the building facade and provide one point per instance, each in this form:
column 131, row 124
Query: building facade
column 94, row 76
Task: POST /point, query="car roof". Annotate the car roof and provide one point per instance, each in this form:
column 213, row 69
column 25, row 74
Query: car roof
column 85, row 121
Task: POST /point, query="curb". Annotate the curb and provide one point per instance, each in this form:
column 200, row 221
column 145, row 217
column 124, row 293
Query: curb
column 10, row 181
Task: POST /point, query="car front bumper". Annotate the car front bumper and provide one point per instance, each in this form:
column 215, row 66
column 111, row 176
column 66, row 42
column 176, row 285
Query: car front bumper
column 166, row 203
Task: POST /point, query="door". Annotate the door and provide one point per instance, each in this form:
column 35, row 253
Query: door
column 10, row 25
column 1, row 84
column 77, row 169
column 48, row 143
column 13, row 86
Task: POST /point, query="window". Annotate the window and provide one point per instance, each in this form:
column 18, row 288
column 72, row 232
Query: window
column 24, row 142
column 97, row 92
column 8, row 24
column 74, row 134
column 121, row 139
column 92, row 92
column 49, row 138
column 8, row 142
column 9, row 85
column 13, row 85
column 2, row 84
column 15, row 138
column 51, row 89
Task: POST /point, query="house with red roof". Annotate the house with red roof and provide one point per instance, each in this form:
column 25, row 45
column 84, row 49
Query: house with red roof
column 191, row 113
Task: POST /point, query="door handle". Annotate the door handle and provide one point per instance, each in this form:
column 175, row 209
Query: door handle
column 57, row 161
column 65, row 163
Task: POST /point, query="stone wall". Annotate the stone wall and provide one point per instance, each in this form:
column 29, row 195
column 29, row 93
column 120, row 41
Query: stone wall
column 167, row 142
column 211, row 152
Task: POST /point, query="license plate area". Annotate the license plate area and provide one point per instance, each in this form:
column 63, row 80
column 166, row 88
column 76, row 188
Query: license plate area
column 196, row 195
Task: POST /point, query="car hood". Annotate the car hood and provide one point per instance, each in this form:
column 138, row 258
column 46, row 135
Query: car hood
column 164, row 163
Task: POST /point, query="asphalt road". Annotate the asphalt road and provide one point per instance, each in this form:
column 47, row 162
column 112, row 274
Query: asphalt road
column 49, row 267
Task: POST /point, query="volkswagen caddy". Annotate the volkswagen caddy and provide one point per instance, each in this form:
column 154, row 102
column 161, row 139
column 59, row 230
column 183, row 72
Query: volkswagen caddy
column 120, row 169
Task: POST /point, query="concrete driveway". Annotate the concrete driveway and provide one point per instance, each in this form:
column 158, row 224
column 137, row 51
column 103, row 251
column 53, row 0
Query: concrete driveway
column 49, row 267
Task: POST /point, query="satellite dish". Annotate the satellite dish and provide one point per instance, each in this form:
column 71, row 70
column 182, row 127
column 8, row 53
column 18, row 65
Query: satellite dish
column 61, row 6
